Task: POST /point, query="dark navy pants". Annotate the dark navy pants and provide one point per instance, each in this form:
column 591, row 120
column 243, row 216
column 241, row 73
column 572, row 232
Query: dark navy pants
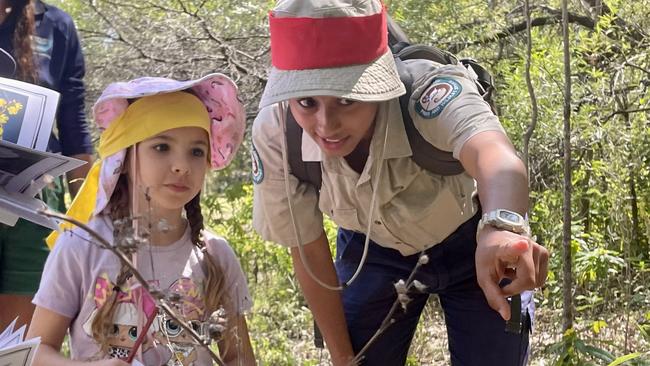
column 476, row 333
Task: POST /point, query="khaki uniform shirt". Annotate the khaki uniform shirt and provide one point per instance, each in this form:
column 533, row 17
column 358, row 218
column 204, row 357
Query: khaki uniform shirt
column 414, row 209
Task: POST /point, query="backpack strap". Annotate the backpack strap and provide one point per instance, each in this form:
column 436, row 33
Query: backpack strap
column 484, row 81
column 425, row 155
column 305, row 171
column 406, row 51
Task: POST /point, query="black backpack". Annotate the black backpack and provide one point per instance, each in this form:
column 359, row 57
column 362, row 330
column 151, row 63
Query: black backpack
column 425, row 155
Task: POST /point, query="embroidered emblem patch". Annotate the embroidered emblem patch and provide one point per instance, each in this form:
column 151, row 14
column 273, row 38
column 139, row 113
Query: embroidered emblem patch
column 258, row 168
column 42, row 46
column 437, row 96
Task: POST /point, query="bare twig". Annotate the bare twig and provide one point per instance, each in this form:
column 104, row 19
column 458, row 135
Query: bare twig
column 626, row 111
column 520, row 27
column 226, row 50
column 389, row 320
column 121, row 38
column 638, row 67
column 554, row 16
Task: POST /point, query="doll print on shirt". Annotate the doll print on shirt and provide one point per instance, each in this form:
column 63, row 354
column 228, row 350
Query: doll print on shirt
column 164, row 332
column 191, row 308
column 125, row 318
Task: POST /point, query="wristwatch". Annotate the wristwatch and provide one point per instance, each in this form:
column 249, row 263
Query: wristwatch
column 505, row 220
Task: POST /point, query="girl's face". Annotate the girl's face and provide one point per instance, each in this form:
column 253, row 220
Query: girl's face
column 171, row 166
column 337, row 125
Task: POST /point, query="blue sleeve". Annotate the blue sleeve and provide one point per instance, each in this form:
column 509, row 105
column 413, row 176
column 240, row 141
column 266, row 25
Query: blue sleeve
column 74, row 133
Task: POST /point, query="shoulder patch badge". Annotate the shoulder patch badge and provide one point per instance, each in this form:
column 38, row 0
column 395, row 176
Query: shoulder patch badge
column 437, row 96
column 258, row 168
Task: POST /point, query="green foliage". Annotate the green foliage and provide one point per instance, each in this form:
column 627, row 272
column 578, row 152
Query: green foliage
column 573, row 351
column 278, row 317
column 592, row 265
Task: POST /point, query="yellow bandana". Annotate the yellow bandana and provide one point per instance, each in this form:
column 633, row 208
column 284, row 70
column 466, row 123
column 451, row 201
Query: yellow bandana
column 145, row 118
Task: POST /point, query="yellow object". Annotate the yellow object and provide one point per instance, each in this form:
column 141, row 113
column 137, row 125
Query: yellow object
column 145, row 118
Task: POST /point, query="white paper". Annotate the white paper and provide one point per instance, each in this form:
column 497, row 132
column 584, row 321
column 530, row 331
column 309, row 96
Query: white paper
column 13, row 350
column 23, row 173
column 29, row 123
column 8, row 218
column 6, row 334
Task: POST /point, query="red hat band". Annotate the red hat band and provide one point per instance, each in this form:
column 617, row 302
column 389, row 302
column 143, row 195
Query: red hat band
column 316, row 43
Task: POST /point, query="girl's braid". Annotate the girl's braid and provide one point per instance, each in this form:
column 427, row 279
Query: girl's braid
column 22, row 39
column 214, row 281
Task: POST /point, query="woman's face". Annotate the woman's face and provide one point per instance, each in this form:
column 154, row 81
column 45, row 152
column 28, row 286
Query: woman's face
column 337, row 125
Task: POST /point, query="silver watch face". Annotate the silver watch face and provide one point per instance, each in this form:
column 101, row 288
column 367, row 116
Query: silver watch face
column 510, row 217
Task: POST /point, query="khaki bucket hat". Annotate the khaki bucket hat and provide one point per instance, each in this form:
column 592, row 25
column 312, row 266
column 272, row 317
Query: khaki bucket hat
column 330, row 48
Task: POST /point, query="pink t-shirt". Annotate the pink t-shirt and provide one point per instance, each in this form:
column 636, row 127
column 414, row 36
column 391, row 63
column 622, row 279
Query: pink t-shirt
column 79, row 275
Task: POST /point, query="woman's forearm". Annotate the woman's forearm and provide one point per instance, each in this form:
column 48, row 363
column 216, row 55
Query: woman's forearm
column 325, row 305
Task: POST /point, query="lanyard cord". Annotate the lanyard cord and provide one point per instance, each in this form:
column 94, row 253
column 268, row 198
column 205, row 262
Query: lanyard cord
column 296, row 231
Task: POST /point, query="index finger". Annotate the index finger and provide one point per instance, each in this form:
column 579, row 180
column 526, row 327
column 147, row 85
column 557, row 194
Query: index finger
column 496, row 298
column 540, row 256
column 524, row 278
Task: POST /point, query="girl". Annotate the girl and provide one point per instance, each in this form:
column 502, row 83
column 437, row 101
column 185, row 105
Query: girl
column 158, row 137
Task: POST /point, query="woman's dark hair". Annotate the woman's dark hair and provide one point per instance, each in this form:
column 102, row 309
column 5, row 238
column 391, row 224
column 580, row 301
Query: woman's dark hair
column 23, row 11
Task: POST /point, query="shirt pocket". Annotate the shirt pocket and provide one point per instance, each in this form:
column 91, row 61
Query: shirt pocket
column 346, row 218
column 427, row 221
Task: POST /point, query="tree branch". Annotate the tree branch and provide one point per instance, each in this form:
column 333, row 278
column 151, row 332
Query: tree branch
column 626, row 111
column 520, row 27
column 121, row 38
column 600, row 8
column 227, row 50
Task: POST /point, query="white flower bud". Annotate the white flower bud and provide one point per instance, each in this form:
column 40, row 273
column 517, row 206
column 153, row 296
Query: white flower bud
column 403, row 299
column 400, row 287
column 419, row 286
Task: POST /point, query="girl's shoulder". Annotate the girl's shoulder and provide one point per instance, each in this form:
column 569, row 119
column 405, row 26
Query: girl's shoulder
column 216, row 244
column 221, row 251
column 77, row 239
column 225, row 257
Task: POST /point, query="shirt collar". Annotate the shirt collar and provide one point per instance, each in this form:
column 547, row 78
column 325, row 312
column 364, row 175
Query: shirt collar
column 39, row 7
column 389, row 116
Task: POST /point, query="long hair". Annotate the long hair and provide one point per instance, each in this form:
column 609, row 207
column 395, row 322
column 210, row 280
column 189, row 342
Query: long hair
column 25, row 29
column 213, row 285
column 102, row 326
column 214, row 279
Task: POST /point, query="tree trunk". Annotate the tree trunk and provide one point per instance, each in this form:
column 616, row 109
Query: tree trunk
column 567, row 313
column 531, row 92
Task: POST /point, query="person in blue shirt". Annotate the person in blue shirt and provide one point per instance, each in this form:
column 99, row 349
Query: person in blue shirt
column 44, row 42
